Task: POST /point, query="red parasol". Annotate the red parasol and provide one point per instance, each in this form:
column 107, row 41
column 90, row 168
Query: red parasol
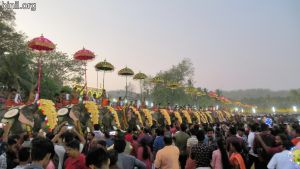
column 40, row 44
column 84, row 55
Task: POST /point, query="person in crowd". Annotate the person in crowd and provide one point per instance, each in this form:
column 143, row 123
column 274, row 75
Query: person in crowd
column 135, row 145
column 128, row 135
column 24, row 158
column 252, row 156
column 296, row 140
column 210, row 139
column 75, row 159
column 201, row 153
column 146, row 135
column 144, row 153
column 269, row 140
column 159, row 140
column 97, row 132
column 125, row 160
column 42, row 149
column 181, row 138
column 236, row 159
column 192, row 140
column 108, row 140
column 89, row 138
column 282, row 159
column 190, row 163
column 113, row 157
column 98, row 159
column 9, row 158
column 241, row 134
column 167, row 157
column 220, row 158
column 277, row 148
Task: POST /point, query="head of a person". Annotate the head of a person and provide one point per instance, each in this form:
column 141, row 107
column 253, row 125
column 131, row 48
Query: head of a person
column 264, row 127
column 42, row 150
column 287, row 144
column 280, row 138
column 68, row 136
column 12, row 145
column 159, row 131
column 96, row 127
column 113, row 156
column 120, row 145
column 98, row 159
column 297, row 132
column 200, row 135
column 240, row 131
column 183, row 127
column 90, row 136
column 129, row 130
column 193, row 132
column 72, row 148
column 147, row 130
column 210, row 133
column 253, row 127
column 24, row 155
column 168, row 140
column 235, row 146
column 232, row 131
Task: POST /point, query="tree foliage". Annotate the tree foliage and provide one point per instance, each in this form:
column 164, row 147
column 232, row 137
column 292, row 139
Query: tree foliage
column 18, row 64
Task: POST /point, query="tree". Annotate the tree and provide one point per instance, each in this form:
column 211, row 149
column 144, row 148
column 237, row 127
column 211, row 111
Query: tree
column 179, row 73
column 18, row 64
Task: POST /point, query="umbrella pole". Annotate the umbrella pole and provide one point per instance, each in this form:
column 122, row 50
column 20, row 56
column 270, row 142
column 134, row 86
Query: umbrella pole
column 126, row 88
column 103, row 80
column 85, row 79
column 39, row 75
column 141, row 91
column 97, row 81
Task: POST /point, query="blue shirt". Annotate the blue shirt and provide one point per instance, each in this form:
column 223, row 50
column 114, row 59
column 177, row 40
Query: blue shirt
column 158, row 143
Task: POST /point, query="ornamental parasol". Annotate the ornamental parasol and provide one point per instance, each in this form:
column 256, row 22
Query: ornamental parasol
column 140, row 76
column 104, row 66
column 212, row 94
column 126, row 72
column 40, row 44
column 190, row 90
column 173, row 85
column 84, row 55
column 157, row 80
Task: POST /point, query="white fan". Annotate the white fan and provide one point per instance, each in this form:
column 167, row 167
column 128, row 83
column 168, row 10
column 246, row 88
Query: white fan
column 11, row 113
column 63, row 111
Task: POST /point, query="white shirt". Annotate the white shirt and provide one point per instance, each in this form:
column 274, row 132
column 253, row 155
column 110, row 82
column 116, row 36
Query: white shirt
column 282, row 161
column 250, row 143
column 192, row 141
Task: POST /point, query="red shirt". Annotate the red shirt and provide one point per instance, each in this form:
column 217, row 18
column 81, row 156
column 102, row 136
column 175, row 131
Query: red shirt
column 128, row 137
column 76, row 163
column 295, row 140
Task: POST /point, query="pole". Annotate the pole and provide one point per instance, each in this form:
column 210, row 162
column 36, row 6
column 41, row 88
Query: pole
column 126, row 88
column 103, row 79
column 97, row 81
column 39, row 76
column 141, row 90
column 85, row 77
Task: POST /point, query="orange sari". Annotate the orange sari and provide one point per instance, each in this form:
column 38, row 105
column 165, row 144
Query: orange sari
column 236, row 159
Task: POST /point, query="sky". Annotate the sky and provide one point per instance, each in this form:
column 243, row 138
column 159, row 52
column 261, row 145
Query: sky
column 233, row 44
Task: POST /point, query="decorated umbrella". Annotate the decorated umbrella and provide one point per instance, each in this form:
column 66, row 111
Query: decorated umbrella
column 104, row 66
column 173, row 85
column 84, row 55
column 40, row 44
column 157, row 80
column 126, row 72
column 140, row 76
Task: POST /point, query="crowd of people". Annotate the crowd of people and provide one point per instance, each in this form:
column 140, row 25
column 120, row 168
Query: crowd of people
column 209, row 146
